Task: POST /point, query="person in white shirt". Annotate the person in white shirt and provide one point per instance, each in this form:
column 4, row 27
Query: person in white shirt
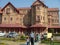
column 28, row 41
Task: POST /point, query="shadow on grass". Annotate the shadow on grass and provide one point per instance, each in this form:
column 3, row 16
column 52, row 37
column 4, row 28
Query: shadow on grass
column 22, row 44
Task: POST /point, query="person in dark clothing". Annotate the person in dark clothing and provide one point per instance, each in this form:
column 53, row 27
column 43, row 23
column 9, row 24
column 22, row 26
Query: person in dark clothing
column 32, row 38
column 32, row 41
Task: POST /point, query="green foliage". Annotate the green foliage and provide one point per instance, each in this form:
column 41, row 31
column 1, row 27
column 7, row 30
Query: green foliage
column 2, row 44
column 45, row 41
column 22, row 37
column 52, row 30
column 9, row 39
column 49, row 41
column 19, row 39
column 58, row 34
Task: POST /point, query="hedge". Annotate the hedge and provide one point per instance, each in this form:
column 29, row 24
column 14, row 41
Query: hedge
column 56, row 34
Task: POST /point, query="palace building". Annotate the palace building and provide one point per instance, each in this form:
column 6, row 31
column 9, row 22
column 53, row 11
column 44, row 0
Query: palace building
column 38, row 18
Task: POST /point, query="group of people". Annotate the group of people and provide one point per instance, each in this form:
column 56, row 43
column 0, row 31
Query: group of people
column 36, row 37
column 33, row 38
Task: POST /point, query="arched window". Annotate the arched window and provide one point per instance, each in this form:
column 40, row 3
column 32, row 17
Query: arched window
column 8, row 11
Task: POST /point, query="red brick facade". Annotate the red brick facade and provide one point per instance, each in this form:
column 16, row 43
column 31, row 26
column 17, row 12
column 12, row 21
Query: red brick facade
column 38, row 18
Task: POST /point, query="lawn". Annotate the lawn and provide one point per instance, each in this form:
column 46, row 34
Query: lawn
column 53, row 44
column 2, row 43
column 48, row 42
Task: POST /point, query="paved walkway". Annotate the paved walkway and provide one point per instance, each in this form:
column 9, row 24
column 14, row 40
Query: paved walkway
column 19, row 43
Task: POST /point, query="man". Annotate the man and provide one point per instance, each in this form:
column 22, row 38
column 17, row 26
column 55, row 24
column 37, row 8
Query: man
column 32, row 38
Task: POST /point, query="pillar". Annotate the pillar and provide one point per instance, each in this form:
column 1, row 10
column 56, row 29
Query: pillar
column 9, row 30
column 5, row 30
column 19, row 31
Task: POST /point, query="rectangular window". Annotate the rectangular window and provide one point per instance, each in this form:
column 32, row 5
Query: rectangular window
column 52, row 20
column 40, row 17
column 4, row 18
column 37, row 18
column 48, row 20
column 11, row 18
column 43, row 18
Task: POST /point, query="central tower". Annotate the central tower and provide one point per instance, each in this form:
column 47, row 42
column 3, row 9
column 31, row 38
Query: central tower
column 39, row 12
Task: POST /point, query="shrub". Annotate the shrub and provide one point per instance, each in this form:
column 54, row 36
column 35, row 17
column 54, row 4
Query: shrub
column 56, row 34
column 45, row 41
column 49, row 41
column 22, row 37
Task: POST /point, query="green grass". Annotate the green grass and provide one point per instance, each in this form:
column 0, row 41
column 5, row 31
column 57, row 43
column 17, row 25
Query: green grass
column 53, row 44
column 49, row 42
column 56, row 43
column 12, row 39
column 3, row 44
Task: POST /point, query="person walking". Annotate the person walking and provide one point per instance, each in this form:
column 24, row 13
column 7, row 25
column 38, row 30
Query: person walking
column 32, row 38
column 28, row 40
column 39, row 38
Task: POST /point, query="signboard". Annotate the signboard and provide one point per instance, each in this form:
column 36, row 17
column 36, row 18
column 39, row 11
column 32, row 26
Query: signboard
column 49, row 35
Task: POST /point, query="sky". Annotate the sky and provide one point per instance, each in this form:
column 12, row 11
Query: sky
column 28, row 3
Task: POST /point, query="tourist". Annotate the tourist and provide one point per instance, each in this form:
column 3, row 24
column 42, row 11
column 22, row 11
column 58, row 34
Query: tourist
column 32, row 38
column 42, row 37
column 39, row 38
column 36, row 37
column 52, row 38
column 28, row 40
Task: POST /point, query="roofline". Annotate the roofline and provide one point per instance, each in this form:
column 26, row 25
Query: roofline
column 8, row 4
column 56, row 9
column 41, row 2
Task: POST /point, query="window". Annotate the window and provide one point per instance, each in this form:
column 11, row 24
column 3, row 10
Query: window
column 17, row 18
column 11, row 18
column 4, row 18
column 57, row 21
column 52, row 20
column 8, row 11
column 43, row 18
column 38, row 18
column 20, row 19
column 38, row 7
column 48, row 20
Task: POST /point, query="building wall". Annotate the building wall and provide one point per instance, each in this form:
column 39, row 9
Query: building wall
column 38, row 13
column 14, row 17
column 54, row 18
column 26, row 16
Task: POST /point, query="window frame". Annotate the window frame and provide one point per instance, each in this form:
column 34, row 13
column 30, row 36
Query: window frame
column 8, row 11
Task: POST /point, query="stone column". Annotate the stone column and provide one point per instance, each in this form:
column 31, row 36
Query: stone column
column 9, row 30
column 4, row 31
column 19, row 31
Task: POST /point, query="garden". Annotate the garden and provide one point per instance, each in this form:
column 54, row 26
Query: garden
column 22, row 38
column 55, row 41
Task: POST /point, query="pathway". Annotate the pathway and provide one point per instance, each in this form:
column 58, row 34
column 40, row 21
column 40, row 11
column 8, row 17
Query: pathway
column 18, row 43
